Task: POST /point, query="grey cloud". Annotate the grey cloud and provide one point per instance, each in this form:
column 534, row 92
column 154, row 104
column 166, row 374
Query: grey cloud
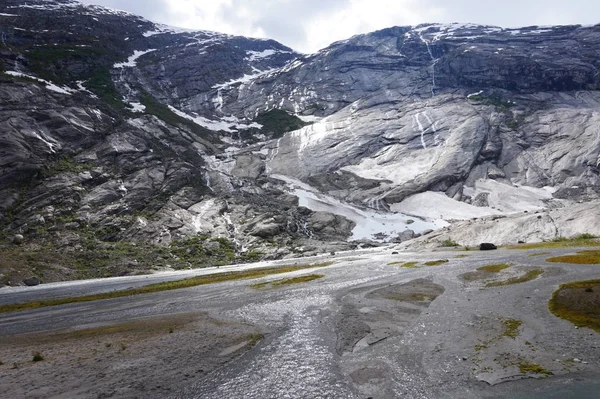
column 154, row 10
column 285, row 20
column 518, row 13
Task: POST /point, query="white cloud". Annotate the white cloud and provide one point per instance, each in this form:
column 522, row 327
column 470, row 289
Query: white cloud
column 308, row 25
column 362, row 16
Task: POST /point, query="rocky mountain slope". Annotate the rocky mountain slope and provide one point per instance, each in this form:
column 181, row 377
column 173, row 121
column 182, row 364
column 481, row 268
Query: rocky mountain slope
column 128, row 145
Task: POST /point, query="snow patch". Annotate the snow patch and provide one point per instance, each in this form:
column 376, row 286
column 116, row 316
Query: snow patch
column 259, row 55
column 511, row 198
column 49, row 85
column 370, row 225
column 436, row 205
column 244, row 79
column 131, row 61
column 225, row 124
column 137, row 107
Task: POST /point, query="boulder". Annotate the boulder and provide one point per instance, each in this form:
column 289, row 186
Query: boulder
column 265, row 230
column 406, row 235
column 18, row 239
column 31, row 281
column 486, row 246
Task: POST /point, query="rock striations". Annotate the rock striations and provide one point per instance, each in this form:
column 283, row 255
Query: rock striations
column 115, row 130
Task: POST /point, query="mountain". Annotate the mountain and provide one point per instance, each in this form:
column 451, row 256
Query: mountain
column 128, row 145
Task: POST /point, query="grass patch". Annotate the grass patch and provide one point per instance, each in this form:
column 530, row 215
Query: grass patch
column 164, row 113
column 495, row 268
column 411, row 265
column 287, row 281
column 511, row 328
column 580, row 258
column 582, row 240
column 396, row 263
column 165, row 286
column 411, row 297
column 528, row 276
column 449, row 243
column 533, row 368
column 578, row 302
column 37, row 357
column 436, row 262
column 538, row 254
column 277, row 122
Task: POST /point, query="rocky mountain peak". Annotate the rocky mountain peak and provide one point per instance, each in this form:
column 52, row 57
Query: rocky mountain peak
column 118, row 131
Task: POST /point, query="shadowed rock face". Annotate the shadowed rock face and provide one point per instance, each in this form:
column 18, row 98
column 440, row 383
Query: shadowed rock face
column 144, row 132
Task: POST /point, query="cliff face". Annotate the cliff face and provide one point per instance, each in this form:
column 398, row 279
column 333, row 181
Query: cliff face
column 116, row 129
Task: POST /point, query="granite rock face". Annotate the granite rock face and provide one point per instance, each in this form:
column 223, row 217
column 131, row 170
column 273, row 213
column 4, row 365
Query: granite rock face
column 119, row 128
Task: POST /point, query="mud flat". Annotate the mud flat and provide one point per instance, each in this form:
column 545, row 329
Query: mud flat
column 477, row 325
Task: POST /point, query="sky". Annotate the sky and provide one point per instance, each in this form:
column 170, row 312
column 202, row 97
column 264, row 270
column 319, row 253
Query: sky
column 309, row 25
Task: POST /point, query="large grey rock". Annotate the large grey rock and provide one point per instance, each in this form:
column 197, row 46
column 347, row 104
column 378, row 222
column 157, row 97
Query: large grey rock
column 31, row 281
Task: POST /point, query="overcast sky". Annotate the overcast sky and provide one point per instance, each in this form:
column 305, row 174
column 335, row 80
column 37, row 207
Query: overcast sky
column 309, row 25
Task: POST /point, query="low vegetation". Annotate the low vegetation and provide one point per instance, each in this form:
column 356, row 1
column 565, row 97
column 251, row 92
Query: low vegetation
column 164, row 113
column 287, row 281
column 101, row 254
column 436, row 262
column 511, row 328
column 533, row 368
column 485, row 272
column 582, row 240
column 538, row 254
column 579, row 303
column 277, row 122
column 411, row 265
column 580, row 258
column 449, row 243
column 164, row 286
column 527, row 276
column 494, row 268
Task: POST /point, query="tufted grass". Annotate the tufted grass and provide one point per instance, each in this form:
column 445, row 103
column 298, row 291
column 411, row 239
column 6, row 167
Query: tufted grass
column 580, row 258
column 528, row 276
column 436, row 262
column 582, row 240
column 494, row 268
column 164, row 286
column 578, row 302
column 287, row 281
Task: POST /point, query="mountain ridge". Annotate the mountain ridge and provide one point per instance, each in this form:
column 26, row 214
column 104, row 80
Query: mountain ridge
column 117, row 131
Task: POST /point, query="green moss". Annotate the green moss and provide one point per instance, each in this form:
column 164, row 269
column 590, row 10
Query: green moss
column 569, row 303
column 287, row 281
column 533, row 368
column 449, row 243
column 480, row 347
column 165, row 286
column 494, row 268
column 538, row 254
column 582, row 240
column 511, row 328
column 581, row 258
column 436, row 262
column 277, row 122
column 494, row 99
column 411, row 265
column 410, row 297
column 527, row 276
column 163, row 112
